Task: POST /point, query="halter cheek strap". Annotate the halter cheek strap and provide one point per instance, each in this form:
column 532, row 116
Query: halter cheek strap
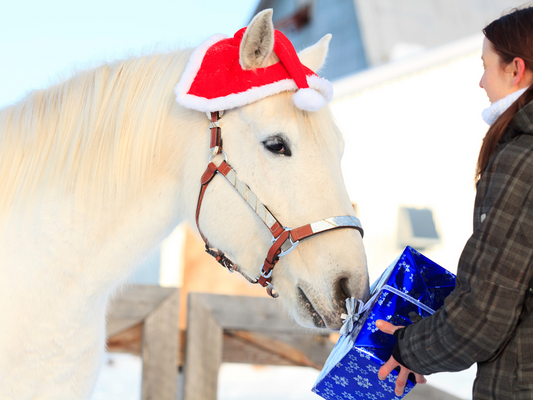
column 284, row 240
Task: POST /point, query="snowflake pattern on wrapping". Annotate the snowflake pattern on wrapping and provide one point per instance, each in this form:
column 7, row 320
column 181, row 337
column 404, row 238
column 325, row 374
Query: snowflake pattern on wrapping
column 353, row 373
column 340, row 380
column 351, row 367
column 386, row 387
column 364, row 382
column 371, row 326
column 372, row 368
column 382, row 298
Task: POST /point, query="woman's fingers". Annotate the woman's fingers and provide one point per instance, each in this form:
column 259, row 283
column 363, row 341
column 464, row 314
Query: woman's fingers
column 391, row 364
column 401, row 381
column 387, row 368
column 420, row 378
column 387, row 327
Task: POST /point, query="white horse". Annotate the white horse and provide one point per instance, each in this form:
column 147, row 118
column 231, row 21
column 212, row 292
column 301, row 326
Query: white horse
column 97, row 170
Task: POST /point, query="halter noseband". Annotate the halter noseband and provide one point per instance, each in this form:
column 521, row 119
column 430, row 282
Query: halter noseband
column 284, row 240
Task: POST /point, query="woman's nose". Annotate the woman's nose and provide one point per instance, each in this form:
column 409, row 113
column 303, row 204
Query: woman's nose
column 481, row 83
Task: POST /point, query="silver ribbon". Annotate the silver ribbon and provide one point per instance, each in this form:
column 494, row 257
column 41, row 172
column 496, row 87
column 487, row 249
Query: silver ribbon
column 355, row 309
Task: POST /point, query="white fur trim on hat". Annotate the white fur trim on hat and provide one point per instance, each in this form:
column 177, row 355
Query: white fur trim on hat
column 308, row 100
column 321, row 85
column 193, row 66
column 237, row 99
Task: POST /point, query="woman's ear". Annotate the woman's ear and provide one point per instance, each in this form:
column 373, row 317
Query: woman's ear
column 519, row 76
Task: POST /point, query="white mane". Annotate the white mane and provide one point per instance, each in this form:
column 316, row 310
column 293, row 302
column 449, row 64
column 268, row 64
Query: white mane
column 88, row 134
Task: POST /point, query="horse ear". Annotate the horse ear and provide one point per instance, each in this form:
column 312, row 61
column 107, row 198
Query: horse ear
column 314, row 56
column 258, row 41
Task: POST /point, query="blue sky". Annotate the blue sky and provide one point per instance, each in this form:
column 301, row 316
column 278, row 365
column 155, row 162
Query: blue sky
column 41, row 40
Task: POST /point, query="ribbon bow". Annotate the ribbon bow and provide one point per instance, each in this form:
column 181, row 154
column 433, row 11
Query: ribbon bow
column 354, row 308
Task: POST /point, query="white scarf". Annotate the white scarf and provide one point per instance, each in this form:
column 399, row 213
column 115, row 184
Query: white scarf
column 497, row 108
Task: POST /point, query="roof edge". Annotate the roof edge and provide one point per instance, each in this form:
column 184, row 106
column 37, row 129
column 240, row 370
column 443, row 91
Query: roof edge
column 426, row 59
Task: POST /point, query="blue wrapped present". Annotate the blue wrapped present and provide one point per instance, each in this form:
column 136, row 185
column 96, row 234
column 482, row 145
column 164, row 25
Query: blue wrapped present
column 411, row 288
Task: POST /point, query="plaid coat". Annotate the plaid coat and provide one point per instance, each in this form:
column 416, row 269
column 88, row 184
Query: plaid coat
column 487, row 319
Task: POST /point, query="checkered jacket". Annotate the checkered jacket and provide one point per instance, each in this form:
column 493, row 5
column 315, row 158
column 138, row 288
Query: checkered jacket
column 487, row 319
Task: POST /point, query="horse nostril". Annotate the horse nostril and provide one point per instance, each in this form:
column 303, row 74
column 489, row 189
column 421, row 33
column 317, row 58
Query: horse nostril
column 341, row 291
column 344, row 288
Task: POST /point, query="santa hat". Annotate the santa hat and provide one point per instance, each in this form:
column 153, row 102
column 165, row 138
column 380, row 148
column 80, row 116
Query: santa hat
column 214, row 79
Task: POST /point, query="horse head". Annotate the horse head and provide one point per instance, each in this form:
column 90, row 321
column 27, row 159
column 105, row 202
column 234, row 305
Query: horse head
column 288, row 160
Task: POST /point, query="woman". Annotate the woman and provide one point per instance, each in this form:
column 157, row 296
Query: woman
column 487, row 319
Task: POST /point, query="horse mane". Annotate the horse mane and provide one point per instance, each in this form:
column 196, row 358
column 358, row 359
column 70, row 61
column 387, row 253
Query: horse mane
column 95, row 134
column 98, row 134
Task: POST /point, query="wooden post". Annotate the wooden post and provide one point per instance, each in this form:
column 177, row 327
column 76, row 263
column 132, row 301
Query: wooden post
column 132, row 305
column 203, row 354
column 160, row 349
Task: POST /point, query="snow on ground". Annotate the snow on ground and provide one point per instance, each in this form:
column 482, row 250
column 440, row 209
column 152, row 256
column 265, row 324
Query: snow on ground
column 120, row 379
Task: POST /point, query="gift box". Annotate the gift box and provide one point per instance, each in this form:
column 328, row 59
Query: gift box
column 411, row 288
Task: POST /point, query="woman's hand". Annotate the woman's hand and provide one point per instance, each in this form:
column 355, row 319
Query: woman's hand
column 386, row 368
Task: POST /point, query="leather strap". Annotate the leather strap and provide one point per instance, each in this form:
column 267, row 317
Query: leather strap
column 206, row 178
column 216, row 138
column 314, row 228
column 271, row 259
column 301, row 233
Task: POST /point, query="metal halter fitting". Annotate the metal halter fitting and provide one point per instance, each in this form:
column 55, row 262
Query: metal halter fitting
column 284, row 240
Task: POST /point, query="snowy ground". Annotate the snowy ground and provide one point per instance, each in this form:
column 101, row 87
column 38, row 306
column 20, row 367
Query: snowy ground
column 120, row 379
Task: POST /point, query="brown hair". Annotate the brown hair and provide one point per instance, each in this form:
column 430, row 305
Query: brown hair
column 511, row 36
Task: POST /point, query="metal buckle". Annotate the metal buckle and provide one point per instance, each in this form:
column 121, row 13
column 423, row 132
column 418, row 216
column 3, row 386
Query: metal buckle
column 293, row 244
column 262, row 272
column 227, row 265
column 216, row 152
column 271, row 290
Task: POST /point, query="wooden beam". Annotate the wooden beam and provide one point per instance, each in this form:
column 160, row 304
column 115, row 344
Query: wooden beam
column 239, row 350
column 245, row 347
column 128, row 341
column 131, row 306
column 160, row 339
column 305, row 350
column 254, row 314
column 203, row 354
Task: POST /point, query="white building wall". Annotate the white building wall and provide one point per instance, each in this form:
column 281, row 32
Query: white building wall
column 392, row 27
column 413, row 129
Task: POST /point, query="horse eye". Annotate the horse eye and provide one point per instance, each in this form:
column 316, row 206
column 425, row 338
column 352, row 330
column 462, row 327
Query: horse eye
column 277, row 145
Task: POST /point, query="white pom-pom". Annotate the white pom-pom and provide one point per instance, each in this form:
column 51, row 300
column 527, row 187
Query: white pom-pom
column 308, row 100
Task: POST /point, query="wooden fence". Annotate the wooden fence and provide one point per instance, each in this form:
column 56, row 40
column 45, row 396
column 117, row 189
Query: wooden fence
column 144, row 320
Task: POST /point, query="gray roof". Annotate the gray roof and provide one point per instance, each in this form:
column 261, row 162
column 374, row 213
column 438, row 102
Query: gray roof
column 338, row 17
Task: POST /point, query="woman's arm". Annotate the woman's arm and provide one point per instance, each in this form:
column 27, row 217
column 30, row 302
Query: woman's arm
column 493, row 273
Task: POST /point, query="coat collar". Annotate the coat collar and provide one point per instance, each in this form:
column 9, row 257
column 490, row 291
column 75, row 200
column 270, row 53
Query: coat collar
column 522, row 123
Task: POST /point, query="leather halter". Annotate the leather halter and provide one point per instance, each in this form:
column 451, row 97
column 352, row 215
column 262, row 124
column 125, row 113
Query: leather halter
column 284, row 240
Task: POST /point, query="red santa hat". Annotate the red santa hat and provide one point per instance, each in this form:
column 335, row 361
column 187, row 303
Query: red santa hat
column 214, row 79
